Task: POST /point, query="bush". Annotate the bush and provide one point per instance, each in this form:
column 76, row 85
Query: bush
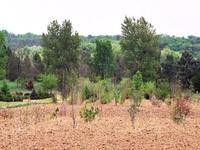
column 88, row 91
column 49, row 82
column 88, row 113
column 106, row 91
column 180, row 110
column 18, row 98
column 5, row 94
column 136, row 88
column 162, row 91
column 117, row 93
column 148, row 89
column 39, row 95
column 196, row 82
column 124, row 87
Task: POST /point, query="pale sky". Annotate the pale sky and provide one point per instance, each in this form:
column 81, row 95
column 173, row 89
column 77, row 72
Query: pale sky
column 101, row 17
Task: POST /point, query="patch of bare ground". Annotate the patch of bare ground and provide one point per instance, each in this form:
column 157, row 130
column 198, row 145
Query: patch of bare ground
column 31, row 128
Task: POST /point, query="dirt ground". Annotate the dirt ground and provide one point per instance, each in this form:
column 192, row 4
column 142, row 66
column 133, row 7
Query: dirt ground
column 34, row 128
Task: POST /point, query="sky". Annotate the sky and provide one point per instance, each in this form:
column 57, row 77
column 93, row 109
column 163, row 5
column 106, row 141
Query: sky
column 100, row 17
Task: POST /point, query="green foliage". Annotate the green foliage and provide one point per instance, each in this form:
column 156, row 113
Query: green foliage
column 5, row 94
column 104, row 91
column 196, row 82
column 187, row 67
column 136, row 88
column 3, row 57
column 117, row 93
column 40, row 95
column 88, row 113
column 149, row 89
column 88, row 92
column 140, row 45
column 48, row 82
column 61, row 51
column 124, row 87
column 162, row 91
column 103, row 58
column 169, row 68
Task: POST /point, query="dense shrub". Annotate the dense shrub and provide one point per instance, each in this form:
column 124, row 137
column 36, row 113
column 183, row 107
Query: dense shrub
column 18, row 98
column 148, row 89
column 88, row 92
column 39, row 95
column 162, row 91
column 196, row 82
column 180, row 110
column 106, row 88
column 5, row 94
column 124, row 87
column 49, row 82
column 88, row 113
column 136, row 88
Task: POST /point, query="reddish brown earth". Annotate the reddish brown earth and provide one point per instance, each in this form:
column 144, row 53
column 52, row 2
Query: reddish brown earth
column 31, row 128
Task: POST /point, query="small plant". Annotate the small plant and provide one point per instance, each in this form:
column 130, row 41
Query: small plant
column 103, row 89
column 88, row 113
column 124, row 87
column 132, row 111
column 55, row 114
column 180, row 110
column 117, row 94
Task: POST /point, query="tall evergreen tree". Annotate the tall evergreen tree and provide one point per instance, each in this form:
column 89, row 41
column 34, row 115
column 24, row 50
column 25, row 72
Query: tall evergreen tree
column 3, row 57
column 103, row 58
column 13, row 67
column 187, row 68
column 141, row 47
column 61, row 52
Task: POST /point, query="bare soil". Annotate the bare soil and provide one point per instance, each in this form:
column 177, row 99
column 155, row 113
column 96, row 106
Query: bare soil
column 34, row 127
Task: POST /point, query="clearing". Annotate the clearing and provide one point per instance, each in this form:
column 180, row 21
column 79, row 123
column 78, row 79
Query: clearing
column 30, row 127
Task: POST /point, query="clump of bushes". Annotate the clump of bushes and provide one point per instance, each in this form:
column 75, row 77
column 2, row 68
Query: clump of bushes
column 180, row 110
column 162, row 91
column 88, row 91
column 88, row 113
column 40, row 95
column 5, row 94
column 148, row 89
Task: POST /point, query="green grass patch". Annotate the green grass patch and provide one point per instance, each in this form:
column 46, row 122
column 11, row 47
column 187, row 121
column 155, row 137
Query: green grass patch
column 13, row 86
column 24, row 103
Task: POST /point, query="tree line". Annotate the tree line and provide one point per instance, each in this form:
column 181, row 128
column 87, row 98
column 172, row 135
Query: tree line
column 137, row 49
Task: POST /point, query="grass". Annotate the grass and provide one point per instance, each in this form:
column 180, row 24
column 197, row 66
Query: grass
column 13, row 86
column 195, row 97
column 24, row 103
